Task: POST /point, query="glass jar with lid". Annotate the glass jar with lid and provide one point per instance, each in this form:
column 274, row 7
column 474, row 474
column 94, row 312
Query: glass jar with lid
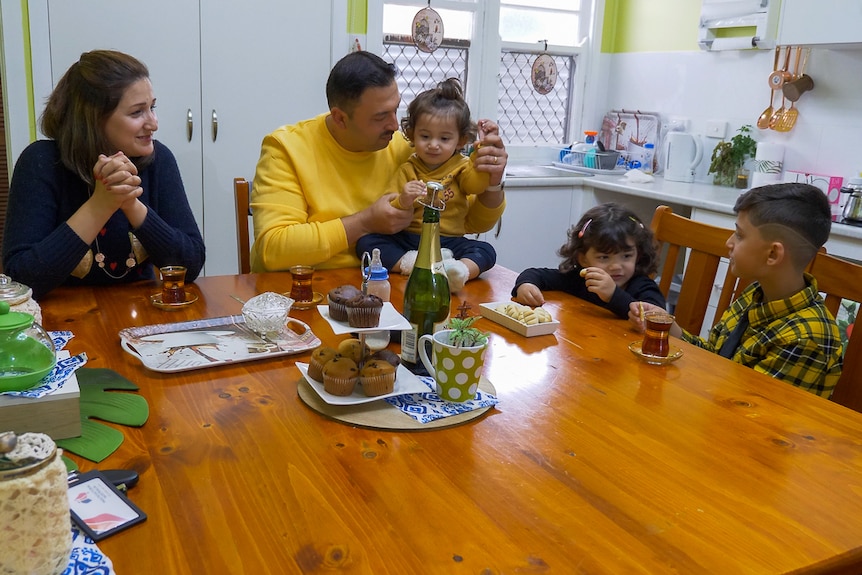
column 19, row 297
column 34, row 506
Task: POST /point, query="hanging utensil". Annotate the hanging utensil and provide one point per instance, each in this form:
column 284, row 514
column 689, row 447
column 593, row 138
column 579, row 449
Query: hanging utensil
column 763, row 120
column 794, row 90
column 784, row 75
column 778, row 77
column 788, row 119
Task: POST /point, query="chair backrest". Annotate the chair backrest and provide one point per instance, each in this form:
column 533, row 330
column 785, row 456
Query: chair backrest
column 841, row 279
column 703, row 245
column 241, row 192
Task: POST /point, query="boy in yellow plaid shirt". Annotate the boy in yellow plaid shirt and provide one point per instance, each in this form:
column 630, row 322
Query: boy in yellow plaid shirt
column 779, row 324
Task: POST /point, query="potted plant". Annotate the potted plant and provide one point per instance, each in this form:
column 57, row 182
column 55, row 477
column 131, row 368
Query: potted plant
column 463, row 334
column 728, row 158
column 457, row 360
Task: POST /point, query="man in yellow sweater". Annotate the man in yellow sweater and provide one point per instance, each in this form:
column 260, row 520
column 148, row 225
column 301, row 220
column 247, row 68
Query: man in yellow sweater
column 319, row 184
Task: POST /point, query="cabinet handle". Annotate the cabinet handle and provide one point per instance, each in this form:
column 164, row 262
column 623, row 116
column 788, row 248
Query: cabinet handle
column 190, row 125
column 215, row 126
column 499, row 227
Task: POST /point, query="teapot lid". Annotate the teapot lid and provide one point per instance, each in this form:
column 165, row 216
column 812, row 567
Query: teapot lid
column 13, row 319
column 12, row 291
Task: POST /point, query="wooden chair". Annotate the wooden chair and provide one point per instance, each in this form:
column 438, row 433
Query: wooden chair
column 703, row 246
column 842, row 279
column 241, row 192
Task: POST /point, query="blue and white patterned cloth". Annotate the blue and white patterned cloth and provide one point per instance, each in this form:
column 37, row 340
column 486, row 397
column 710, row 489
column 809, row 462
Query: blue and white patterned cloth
column 426, row 407
column 61, row 372
column 86, row 558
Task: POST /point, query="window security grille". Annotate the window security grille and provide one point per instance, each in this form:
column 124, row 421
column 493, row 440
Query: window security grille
column 526, row 116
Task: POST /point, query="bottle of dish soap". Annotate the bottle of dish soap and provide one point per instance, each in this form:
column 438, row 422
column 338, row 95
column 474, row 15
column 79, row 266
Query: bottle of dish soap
column 585, row 152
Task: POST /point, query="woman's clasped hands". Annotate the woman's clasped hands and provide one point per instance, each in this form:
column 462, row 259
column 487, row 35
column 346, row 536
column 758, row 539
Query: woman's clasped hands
column 117, row 181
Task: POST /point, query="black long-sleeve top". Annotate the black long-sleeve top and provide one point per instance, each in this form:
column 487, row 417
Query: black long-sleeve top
column 639, row 288
column 40, row 250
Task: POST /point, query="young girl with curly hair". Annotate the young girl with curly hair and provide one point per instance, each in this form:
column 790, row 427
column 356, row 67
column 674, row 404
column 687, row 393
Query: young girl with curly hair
column 609, row 259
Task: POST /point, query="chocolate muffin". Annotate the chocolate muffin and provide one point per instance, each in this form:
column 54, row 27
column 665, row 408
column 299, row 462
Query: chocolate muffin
column 364, row 311
column 338, row 299
column 386, row 355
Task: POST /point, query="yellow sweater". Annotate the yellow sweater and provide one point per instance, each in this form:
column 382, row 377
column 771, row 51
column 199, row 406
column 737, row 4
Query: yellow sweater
column 304, row 184
column 461, row 184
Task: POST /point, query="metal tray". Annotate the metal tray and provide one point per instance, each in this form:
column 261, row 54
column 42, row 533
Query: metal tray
column 183, row 346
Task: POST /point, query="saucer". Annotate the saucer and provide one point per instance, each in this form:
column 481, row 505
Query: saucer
column 674, row 354
column 303, row 305
column 156, row 300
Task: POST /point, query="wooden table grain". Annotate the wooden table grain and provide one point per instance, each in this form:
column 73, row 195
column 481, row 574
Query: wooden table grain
column 592, row 462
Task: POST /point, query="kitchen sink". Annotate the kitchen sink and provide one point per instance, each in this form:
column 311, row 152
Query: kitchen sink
column 530, row 171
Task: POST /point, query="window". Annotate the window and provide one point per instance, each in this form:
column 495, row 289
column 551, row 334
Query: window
column 497, row 60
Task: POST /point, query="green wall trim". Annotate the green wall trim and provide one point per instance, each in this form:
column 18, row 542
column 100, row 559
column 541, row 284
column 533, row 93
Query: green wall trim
column 357, row 17
column 28, row 68
column 650, row 26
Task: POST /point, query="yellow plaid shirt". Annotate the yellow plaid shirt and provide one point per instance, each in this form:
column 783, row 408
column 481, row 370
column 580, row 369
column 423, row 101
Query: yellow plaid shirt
column 795, row 339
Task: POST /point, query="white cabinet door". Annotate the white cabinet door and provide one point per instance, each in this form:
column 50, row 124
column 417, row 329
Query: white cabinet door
column 533, row 227
column 822, row 22
column 238, row 69
column 165, row 37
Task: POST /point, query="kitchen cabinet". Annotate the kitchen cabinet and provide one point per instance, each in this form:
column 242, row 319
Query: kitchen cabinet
column 224, row 74
column 533, row 226
column 826, row 22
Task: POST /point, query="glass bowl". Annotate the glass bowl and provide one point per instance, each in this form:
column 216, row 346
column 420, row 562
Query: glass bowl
column 267, row 312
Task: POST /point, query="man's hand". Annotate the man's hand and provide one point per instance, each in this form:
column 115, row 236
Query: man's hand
column 381, row 217
column 491, row 155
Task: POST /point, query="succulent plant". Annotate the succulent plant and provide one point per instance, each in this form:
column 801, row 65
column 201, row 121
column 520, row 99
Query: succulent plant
column 464, row 334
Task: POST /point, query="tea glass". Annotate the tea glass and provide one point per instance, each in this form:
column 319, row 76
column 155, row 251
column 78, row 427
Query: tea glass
column 301, row 290
column 173, row 284
column 657, row 325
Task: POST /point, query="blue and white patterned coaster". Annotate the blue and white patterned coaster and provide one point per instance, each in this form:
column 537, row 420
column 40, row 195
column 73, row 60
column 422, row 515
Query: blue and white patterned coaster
column 426, row 407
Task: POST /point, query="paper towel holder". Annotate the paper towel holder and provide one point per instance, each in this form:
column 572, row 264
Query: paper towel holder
column 742, row 25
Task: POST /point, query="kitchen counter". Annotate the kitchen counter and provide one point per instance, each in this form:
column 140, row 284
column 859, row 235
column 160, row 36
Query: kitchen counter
column 717, row 199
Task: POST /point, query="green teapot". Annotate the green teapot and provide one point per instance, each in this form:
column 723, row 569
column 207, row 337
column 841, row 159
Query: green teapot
column 27, row 352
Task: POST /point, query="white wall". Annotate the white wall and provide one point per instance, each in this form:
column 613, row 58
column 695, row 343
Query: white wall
column 732, row 86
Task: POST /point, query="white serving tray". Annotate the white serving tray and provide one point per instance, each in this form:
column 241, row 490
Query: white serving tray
column 389, row 319
column 489, row 311
column 405, row 382
column 197, row 344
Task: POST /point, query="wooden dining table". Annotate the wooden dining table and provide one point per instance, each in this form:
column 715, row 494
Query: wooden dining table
column 592, row 461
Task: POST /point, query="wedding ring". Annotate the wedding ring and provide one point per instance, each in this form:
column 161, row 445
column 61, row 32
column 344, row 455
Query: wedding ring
column 495, row 160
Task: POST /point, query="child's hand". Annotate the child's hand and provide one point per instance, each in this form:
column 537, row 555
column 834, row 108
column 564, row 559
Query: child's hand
column 413, row 190
column 599, row 282
column 529, row 294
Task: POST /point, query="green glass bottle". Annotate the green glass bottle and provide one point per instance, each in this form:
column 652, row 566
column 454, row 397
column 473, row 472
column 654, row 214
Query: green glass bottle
column 426, row 297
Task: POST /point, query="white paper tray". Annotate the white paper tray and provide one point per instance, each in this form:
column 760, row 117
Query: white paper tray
column 405, row 382
column 184, row 346
column 489, row 311
column 390, row 319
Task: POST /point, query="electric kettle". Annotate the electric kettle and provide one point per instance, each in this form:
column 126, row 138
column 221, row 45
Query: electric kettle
column 684, row 152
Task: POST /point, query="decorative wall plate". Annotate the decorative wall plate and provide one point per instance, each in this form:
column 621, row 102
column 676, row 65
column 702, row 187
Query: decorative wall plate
column 427, row 30
column 544, row 74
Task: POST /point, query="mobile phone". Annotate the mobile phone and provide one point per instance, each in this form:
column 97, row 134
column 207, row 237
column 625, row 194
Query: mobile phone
column 99, row 508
